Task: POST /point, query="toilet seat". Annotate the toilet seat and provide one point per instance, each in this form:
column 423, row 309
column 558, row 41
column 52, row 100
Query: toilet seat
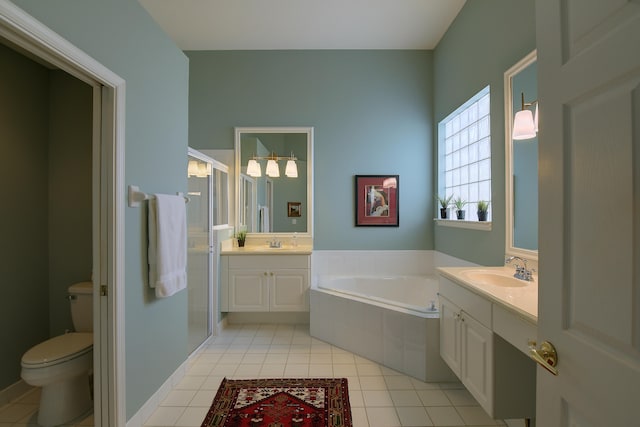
column 58, row 350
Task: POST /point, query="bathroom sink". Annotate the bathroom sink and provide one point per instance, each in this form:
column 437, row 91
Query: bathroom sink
column 484, row 277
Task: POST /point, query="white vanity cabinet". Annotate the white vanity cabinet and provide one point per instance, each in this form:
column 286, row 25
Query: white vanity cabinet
column 262, row 283
column 498, row 375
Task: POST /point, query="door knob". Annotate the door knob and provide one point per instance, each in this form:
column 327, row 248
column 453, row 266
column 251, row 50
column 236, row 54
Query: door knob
column 546, row 356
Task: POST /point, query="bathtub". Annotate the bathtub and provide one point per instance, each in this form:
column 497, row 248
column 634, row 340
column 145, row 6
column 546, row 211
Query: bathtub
column 415, row 294
column 392, row 320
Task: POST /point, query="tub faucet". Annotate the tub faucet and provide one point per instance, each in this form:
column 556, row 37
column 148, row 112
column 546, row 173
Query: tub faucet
column 522, row 272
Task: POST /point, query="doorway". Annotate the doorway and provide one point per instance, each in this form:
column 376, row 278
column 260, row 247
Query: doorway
column 31, row 38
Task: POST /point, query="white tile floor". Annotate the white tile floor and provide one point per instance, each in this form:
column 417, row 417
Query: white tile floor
column 379, row 396
column 23, row 412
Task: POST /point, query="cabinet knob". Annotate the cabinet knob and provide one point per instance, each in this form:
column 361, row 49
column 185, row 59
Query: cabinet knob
column 272, row 273
column 265, row 273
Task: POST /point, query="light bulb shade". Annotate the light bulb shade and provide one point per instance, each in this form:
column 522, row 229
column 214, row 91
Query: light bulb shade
column 272, row 169
column 253, row 168
column 292, row 169
column 192, row 168
column 523, row 126
column 535, row 119
column 204, row 170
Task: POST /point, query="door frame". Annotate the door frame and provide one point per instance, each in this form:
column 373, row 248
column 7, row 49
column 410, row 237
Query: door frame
column 21, row 29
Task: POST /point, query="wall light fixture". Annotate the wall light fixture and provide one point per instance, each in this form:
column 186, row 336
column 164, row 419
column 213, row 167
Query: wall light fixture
column 525, row 122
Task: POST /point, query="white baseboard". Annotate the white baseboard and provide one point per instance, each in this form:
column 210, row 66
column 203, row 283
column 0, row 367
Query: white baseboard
column 287, row 317
column 143, row 414
column 154, row 401
column 14, row 391
column 518, row 423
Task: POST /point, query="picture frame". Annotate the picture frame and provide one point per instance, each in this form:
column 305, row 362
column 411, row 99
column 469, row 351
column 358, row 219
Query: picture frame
column 377, row 200
column 294, row 209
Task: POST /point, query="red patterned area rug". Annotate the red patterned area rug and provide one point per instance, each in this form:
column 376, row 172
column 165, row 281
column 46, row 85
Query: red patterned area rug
column 282, row 402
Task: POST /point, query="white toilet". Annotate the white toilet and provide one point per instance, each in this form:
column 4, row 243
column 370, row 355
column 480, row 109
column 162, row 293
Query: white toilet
column 61, row 365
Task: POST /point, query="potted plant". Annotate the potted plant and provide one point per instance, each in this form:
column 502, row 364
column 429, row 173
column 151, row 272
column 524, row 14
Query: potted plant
column 444, row 205
column 483, row 208
column 241, row 235
column 459, row 204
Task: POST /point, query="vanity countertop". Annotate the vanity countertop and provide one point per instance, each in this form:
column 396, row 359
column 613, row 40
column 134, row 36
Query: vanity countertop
column 266, row 250
column 521, row 298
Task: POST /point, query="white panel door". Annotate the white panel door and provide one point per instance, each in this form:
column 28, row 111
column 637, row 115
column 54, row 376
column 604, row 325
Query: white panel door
column 477, row 360
column 589, row 297
column 289, row 290
column 248, row 290
column 450, row 340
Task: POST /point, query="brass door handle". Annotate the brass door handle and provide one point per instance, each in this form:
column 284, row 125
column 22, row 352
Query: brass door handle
column 546, row 356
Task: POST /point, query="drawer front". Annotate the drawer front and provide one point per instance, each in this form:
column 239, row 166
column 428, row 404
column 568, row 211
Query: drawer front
column 471, row 303
column 513, row 328
column 268, row 262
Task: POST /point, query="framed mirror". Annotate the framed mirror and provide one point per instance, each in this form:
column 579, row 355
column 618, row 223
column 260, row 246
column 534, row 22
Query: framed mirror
column 521, row 157
column 274, row 171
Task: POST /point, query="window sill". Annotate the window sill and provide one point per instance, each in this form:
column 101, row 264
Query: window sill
column 458, row 223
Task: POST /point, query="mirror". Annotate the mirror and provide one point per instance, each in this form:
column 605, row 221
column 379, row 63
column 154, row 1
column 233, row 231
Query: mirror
column 274, row 204
column 521, row 157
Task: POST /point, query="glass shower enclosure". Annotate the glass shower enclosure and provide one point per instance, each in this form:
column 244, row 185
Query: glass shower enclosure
column 207, row 210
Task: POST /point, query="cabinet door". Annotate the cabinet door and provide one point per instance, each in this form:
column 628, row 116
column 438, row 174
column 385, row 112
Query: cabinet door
column 248, row 290
column 450, row 341
column 289, row 290
column 477, row 361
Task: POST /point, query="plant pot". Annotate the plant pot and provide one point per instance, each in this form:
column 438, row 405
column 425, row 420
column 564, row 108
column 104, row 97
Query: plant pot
column 443, row 213
column 240, row 243
column 460, row 213
column 482, row 215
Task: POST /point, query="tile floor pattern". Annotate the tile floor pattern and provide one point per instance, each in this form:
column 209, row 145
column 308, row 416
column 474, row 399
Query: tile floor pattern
column 23, row 412
column 379, row 396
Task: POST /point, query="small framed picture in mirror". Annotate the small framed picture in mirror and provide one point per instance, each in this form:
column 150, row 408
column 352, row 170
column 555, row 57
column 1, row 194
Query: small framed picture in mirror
column 294, row 209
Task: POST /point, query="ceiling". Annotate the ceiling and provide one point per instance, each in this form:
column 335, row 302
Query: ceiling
column 304, row 24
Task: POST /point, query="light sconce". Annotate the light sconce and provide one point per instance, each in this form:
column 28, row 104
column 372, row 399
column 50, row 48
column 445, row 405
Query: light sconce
column 292, row 168
column 525, row 123
column 192, row 168
column 272, row 169
column 198, row 169
column 253, row 168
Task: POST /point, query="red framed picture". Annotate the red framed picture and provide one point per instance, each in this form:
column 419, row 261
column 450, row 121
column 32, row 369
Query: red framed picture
column 377, row 200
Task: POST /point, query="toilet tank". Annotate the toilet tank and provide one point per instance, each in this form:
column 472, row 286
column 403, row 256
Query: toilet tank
column 81, row 300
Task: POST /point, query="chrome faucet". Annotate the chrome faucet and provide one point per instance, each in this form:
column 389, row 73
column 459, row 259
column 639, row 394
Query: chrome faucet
column 522, row 272
column 275, row 243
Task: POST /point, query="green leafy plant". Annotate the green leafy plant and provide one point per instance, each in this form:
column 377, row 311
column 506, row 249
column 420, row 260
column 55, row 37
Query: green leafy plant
column 444, row 201
column 459, row 203
column 241, row 235
column 483, row 206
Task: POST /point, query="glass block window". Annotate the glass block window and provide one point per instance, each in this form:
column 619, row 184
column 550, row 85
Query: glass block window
column 465, row 154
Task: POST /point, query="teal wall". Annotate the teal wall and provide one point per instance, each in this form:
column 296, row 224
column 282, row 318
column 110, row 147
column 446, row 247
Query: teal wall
column 24, row 298
column 121, row 35
column 69, row 199
column 45, row 153
column 371, row 111
column 485, row 39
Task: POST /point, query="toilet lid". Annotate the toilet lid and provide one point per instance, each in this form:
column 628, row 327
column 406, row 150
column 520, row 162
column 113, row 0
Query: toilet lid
column 59, row 349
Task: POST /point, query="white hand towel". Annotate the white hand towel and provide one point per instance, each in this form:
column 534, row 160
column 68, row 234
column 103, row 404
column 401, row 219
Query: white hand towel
column 167, row 244
column 264, row 219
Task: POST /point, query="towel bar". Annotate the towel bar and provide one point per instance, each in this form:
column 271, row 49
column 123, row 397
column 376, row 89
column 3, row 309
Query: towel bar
column 136, row 196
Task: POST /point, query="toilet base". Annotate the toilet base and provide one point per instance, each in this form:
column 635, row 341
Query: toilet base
column 64, row 401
